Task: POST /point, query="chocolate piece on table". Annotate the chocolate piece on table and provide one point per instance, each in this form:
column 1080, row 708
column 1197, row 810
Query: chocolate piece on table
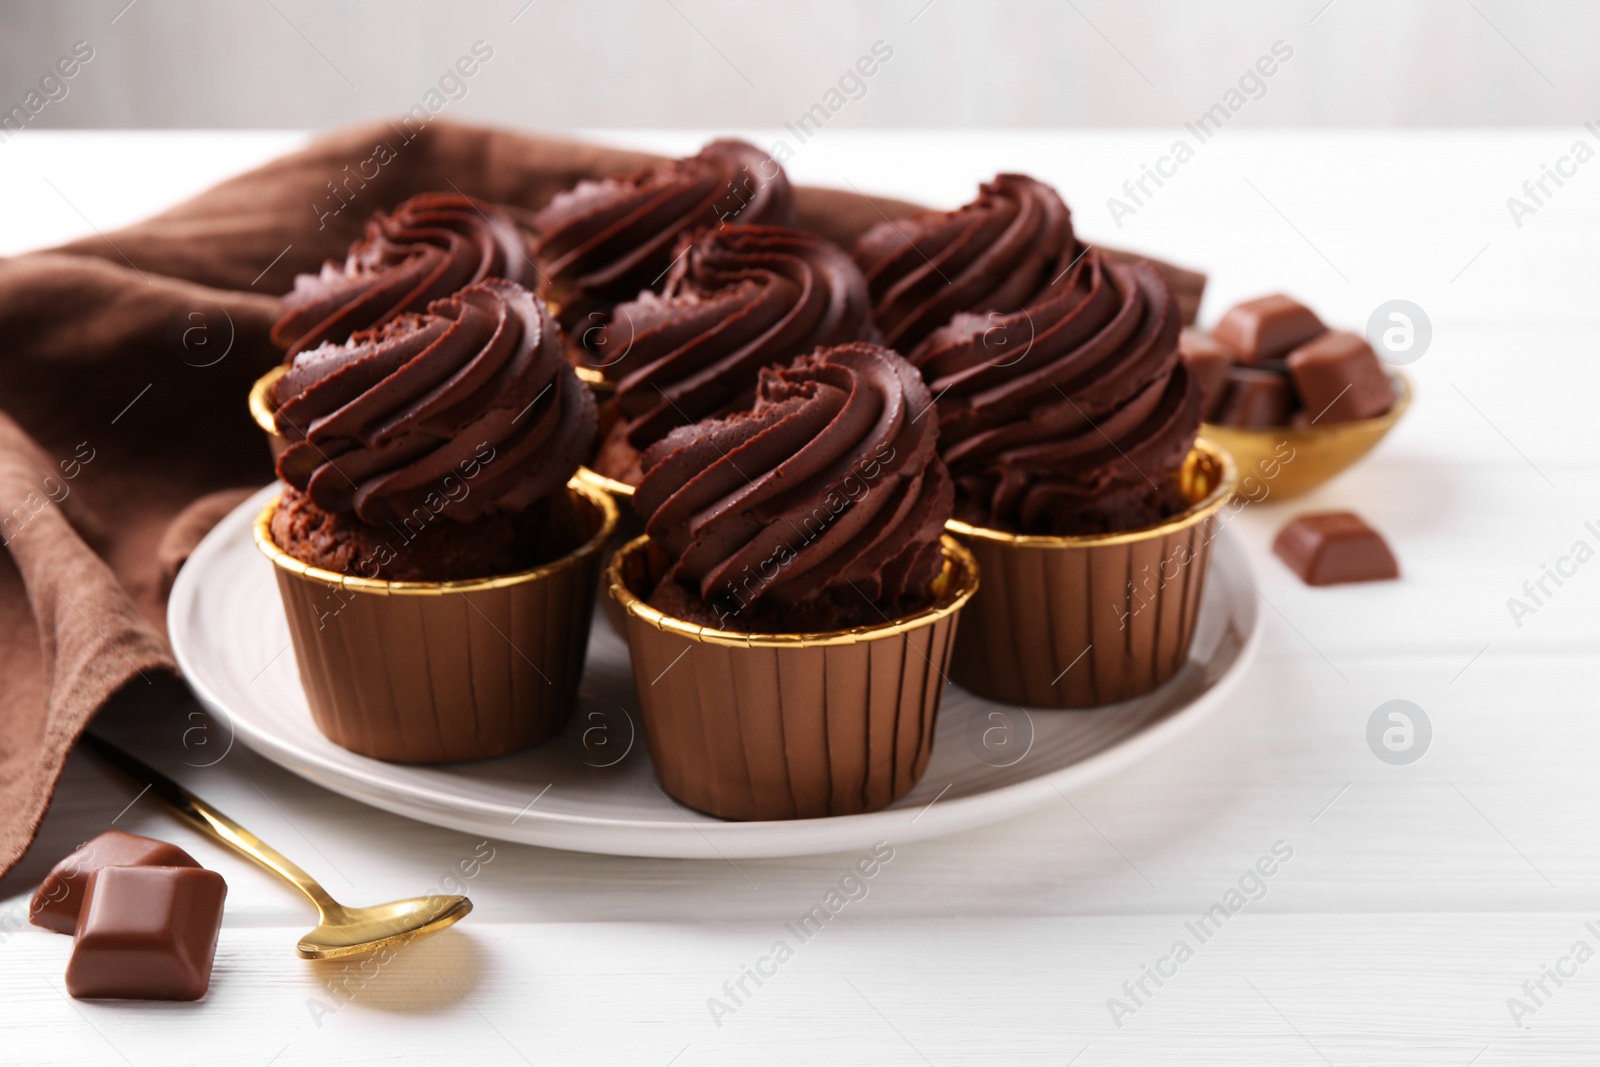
column 1331, row 547
column 1339, row 378
column 1267, row 327
column 60, row 896
column 1255, row 398
column 147, row 933
column 1210, row 362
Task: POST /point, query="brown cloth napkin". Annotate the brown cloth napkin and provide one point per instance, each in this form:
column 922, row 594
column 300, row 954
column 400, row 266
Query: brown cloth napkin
column 125, row 360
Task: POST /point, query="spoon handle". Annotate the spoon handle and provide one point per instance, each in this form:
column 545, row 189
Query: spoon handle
column 210, row 821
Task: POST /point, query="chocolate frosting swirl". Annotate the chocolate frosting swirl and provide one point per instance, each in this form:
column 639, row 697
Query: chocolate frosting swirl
column 604, row 241
column 737, row 299
column 819, row 507
column 993, row 254
column 425, row 249
column 1069, row 416
column 478, row 383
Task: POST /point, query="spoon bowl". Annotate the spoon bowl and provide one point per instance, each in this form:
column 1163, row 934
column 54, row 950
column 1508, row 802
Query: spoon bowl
column 348, row 931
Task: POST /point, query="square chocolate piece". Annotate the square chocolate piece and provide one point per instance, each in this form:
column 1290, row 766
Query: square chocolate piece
column 1210, row 363
column 1339, row 379
column 1267, row 327
column 147, row 933
column 1255, row 397
column 60, row 896
column 1332, row 547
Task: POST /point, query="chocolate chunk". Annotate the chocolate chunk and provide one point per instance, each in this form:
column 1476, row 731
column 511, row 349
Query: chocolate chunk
column 1256, row 397
column 1339, row 378
column 1267, row 327
column 60, row 895
column 1210, row 362
column 147, row 933
column 1331, row 547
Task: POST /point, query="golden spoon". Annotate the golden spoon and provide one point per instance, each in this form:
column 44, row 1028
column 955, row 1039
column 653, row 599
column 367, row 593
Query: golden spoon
column 343, row 931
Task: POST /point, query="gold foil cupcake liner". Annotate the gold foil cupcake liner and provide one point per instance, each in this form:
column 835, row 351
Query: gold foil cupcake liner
column 437, row 672
column 788, row 726
column 620, row 491
column 1078, row 622
column 629, row 526
column 602, row 387
column 262, row 409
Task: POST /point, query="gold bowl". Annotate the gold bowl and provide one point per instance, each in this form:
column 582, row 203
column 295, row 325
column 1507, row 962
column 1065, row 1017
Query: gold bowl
column 1290, row 462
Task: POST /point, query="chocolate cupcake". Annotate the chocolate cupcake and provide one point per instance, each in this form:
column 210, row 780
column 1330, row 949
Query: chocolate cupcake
column 427, row 248
column 737, row 299
column 794, row 564
column 436, row 566
column 994, row 254
column 1070, row 429
column 605, row 241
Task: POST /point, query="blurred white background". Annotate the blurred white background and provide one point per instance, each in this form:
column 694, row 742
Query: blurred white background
column 557, row 64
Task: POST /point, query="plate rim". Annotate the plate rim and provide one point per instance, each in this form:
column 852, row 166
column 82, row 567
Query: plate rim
column 755, row 839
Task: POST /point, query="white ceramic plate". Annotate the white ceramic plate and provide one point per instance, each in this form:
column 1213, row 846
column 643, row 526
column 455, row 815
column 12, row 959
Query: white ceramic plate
column 232, row 642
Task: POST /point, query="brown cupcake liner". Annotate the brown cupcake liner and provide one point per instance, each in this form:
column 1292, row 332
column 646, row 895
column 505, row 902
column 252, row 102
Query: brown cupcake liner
column 788, row 726
column 602, row 387
column 629, row 526
column 262, row 409
column 1078, row 622
column 437, row 672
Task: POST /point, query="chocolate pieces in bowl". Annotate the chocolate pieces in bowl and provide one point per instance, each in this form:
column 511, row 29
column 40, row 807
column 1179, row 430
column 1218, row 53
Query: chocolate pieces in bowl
column 1293, row 402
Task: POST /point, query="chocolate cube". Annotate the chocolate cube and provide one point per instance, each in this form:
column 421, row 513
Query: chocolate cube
column 1339, row 378
column 60, row 896
column 1210, row 363
column 147, row 933
column 1331, row 547
column 1255, row 397
column 1267, row 327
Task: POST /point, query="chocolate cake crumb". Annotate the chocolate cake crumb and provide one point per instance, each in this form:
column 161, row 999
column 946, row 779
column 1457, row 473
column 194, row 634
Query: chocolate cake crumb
column 436, row 550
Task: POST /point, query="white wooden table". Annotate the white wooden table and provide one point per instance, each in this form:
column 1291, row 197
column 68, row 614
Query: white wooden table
column 1418, row 899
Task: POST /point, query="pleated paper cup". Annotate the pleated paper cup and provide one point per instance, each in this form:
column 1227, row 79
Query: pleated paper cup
column 437, row 672
column 629, row 526
column 788, row 726
column 263, row 410
column 602, row 387
column 1078, row 622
